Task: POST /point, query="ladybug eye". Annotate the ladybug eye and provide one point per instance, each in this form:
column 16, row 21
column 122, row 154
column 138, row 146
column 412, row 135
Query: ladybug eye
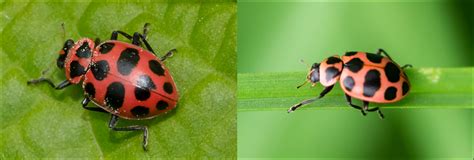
column 314, row 76
column 60, row 60
column 314, row 73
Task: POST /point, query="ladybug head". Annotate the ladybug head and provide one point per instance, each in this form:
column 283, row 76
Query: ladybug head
column 313, row 75
column 63, row 53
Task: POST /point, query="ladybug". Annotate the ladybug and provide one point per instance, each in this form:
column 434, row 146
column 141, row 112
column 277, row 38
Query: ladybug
column 122, row 79
column 366, row 76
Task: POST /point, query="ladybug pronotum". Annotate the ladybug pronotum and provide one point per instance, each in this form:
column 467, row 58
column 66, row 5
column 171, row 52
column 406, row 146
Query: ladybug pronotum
column 366, row 76
column 123, row 79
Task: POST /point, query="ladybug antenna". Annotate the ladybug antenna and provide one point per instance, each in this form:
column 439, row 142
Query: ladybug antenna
column 44, row 72
column 302, row 84
column 169, row 54
column 64, row 31
column 303, row 62
column 307, row 65
column 41, row 79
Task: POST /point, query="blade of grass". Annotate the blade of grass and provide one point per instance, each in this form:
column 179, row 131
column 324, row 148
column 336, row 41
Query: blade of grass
column 431, row 88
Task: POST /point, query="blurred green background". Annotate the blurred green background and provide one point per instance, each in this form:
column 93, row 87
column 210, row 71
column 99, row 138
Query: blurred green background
column 274, row 36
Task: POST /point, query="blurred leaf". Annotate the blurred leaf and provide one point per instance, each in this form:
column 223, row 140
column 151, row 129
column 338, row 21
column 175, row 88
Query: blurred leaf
column 40, row 122
column 431, row 88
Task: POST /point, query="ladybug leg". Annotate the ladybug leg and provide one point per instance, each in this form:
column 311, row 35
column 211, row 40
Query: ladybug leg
column 375, row 109
column 86, row 101
column 407, row 66
column 61, row 85
column 136, row 39
column 366, row 105
column 167, row 55
column 349, row 100
column 145, row 30
column 113, row 126
column 321, row 95
column 97, row 41
column 137, row 36
column 380, row 51
column 115, row 35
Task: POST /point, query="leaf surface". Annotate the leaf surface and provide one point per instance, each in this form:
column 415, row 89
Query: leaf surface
column 40, row 122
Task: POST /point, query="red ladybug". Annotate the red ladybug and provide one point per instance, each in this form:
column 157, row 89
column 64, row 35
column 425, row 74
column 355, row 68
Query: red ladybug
column 365, row 76
column 123, row 79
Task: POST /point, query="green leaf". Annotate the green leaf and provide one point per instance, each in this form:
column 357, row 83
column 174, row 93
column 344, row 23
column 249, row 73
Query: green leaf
column 40, row 122
column 431, row 88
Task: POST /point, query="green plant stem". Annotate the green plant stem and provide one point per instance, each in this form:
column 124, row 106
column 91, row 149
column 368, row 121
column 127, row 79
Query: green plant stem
column 431, row 88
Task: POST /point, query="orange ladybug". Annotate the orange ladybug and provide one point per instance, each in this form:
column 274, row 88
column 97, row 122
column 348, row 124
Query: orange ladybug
column 366, row 76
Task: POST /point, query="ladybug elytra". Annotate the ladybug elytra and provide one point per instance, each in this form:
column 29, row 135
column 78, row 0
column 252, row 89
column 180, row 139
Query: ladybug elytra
column 366, row 76
column 123, row 79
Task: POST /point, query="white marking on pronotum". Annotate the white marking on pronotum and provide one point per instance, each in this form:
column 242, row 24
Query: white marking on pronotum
column 432, row 74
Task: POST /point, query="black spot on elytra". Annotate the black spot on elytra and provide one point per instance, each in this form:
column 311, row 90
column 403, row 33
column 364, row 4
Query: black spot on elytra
column 392, row 72
column 331, row 72
column 144, row 85
column 333, row 60
column 76, row 69
column 374, row 58
column 127, row 61
column 142, row 93
column 354, row 65
column 371, row 83
column 84, row 51
column 156, row 67
column 405, row 88
column 106, row 47
column 348, row 83
column 161, row 105
column 100, row 69
column 350, row 53
column 115, row 95
column 140, row 111
column 90, row 89
column 168, row 87
column 390, row 93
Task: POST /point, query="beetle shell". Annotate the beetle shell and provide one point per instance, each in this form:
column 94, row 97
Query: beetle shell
column 374, row 78
column 129, row 81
